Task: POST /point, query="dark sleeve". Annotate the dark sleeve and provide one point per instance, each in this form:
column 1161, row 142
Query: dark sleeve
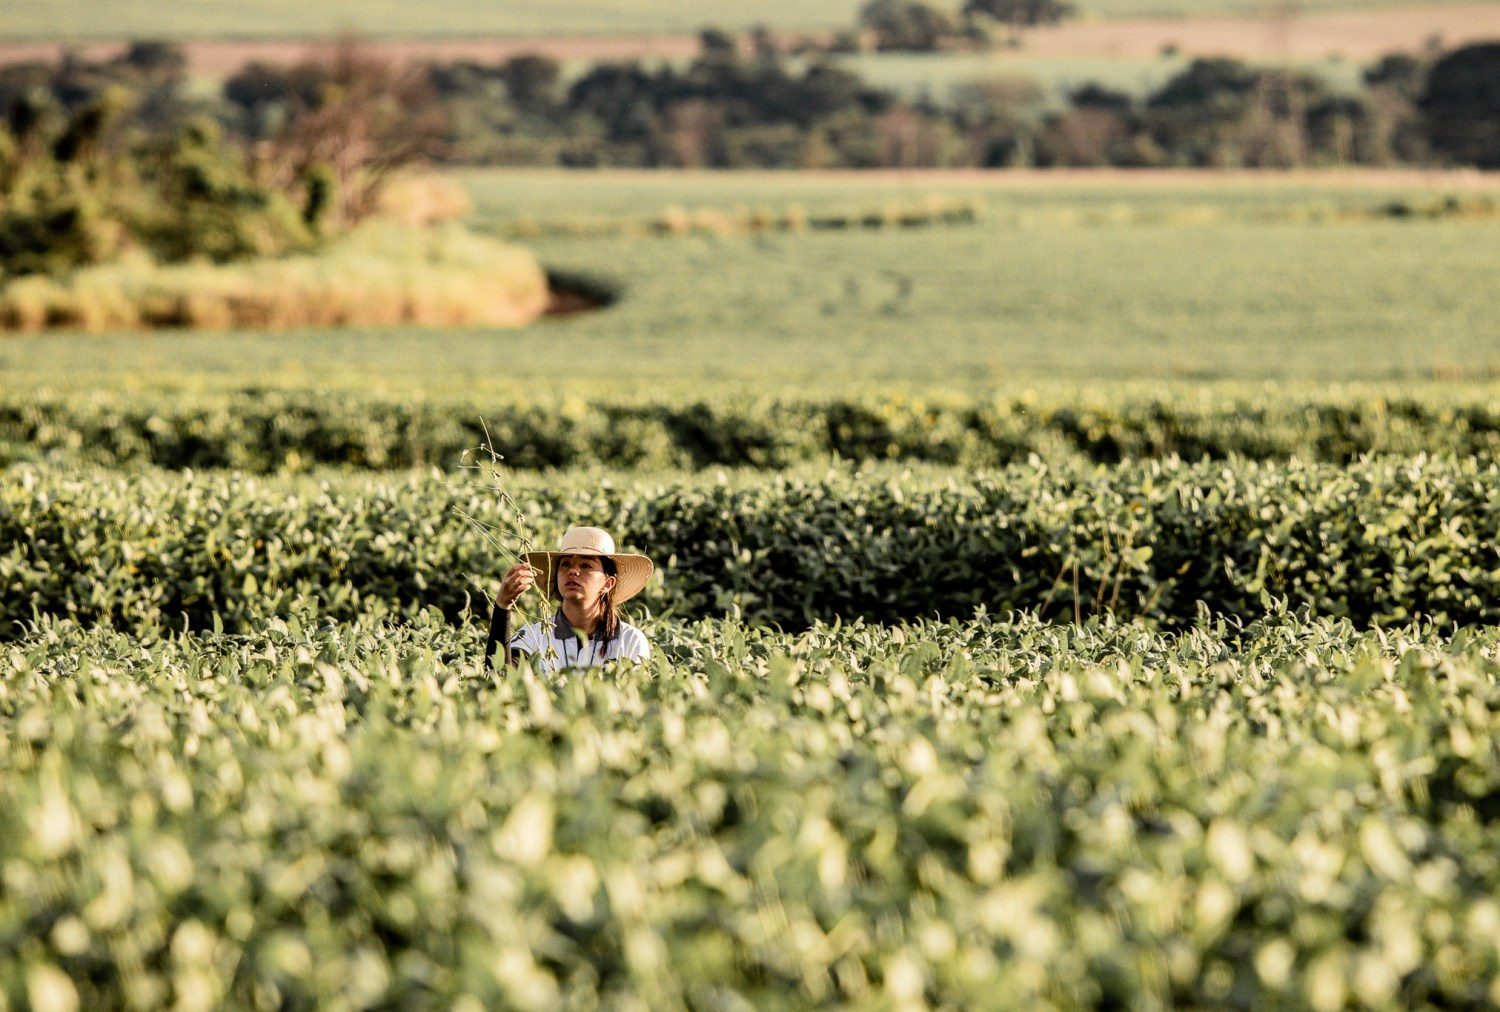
column 499, row 635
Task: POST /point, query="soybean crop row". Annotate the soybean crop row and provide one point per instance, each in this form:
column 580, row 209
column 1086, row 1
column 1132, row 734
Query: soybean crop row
column 1294, row 813
column 264, row 431
column 1382, row 541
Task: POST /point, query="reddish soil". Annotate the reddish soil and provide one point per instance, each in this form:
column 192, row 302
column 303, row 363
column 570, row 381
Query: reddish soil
column 1352, row 34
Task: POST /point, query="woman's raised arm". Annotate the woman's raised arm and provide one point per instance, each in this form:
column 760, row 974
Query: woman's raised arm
column 517, row 582
column 499, row 634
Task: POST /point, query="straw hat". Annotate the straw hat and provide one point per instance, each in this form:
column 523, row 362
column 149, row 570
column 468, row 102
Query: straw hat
column 631, row 571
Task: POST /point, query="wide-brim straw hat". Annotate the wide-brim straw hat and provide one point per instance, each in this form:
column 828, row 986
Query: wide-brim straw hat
column 632, row 572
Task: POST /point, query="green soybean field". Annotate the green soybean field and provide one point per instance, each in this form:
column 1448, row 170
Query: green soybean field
column 1071, row 594
column 1007, row 814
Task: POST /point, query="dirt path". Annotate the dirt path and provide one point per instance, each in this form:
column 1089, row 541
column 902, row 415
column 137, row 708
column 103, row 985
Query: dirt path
column 1357, row 35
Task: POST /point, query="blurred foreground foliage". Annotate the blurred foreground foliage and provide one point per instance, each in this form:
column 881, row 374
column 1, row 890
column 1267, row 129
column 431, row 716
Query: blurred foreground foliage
column 997, row 814
column 1381, row 541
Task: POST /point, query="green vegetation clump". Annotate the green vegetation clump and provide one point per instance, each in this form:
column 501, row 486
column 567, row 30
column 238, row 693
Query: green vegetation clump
column 913, row 26
column 931, row 210
column 378, row 275
column 70, row 199
column 1380, row 542
column 1292, row 813
column 1461, row 101
column 115, row 215
column 266, row 430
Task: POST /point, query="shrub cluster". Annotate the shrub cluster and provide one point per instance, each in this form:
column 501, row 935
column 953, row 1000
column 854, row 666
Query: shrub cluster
column 71, row 198
column 940, row 210
column 934, row 209
column 265, row 431
column 1294, row 816
column 379, row 275
column 1383, row 541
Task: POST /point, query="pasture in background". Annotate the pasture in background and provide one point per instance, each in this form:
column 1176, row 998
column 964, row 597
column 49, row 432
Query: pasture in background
column 1169, row 278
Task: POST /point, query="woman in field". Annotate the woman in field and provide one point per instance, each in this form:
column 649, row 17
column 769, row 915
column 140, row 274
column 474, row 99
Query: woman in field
column 591, row 580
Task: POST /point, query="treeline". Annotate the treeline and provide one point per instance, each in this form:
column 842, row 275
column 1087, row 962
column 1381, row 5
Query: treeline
column 729, row 108
column 905, row 26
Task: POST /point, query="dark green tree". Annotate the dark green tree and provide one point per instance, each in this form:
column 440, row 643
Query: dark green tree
column 1402, row 73
column 155, row 58
column 717, row 44
column 1460, row 106
column 532, row 80
column 907, row 25
column 1019, row 14
column 57, row 185
column 153, row 74
column 206, row 205
column 1196, row 116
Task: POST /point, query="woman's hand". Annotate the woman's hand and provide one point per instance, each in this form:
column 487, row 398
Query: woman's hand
column 517, row 582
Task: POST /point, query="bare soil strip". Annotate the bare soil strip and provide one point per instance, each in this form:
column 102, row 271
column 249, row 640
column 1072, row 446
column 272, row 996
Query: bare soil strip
column 1351, row 34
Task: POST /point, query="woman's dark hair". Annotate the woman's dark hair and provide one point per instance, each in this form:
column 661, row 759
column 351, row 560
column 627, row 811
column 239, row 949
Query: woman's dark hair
column 609, row 623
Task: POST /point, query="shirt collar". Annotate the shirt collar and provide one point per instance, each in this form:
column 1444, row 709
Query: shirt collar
column 562, row 629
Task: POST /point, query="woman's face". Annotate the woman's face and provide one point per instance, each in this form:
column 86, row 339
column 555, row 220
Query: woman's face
column 582, row 579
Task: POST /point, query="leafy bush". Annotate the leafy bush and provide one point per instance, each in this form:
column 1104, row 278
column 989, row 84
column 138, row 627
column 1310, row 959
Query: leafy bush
column 1461, row 106
column 376, row 276
column 76, row 200
column 1383, row 541
column 272, row 430
column 677, row 221
column 1293, row 814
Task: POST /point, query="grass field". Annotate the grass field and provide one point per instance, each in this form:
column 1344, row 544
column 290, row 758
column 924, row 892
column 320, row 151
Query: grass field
column 1170, row 278
column 44, row 19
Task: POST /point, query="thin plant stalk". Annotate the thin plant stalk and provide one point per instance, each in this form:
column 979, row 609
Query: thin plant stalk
column 512, row 542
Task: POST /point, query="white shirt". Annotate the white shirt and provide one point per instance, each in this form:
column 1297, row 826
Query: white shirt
column 553, row 646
